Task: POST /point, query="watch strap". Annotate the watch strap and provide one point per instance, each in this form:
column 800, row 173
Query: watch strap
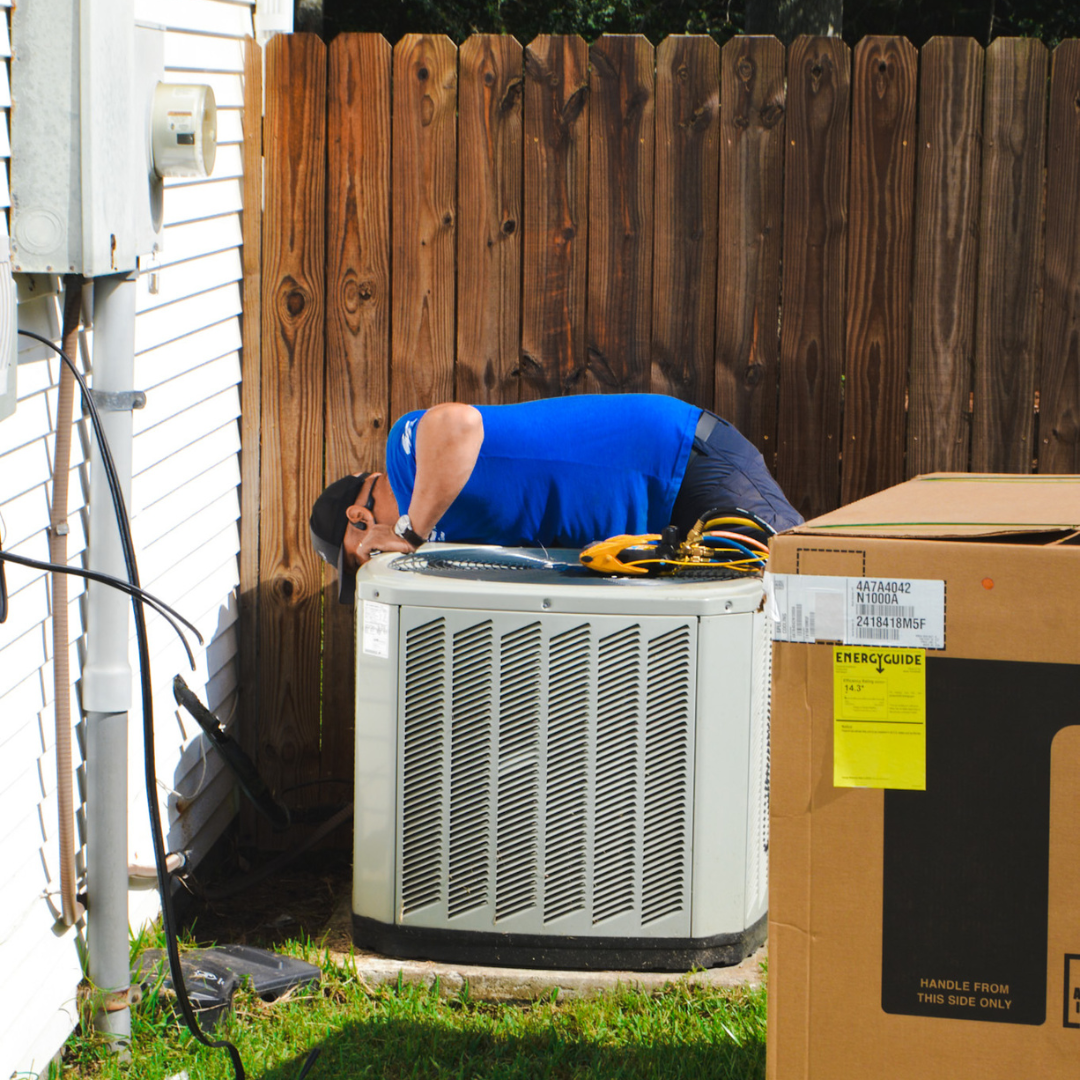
column 404, row 529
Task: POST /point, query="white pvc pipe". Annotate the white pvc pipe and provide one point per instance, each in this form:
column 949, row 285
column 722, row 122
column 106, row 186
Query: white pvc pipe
column 106, row 681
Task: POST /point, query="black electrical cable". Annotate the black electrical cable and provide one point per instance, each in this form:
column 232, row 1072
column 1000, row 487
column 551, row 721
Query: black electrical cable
column 150, row 770
column 3, row 588
column 243, row 768
column 171, row 616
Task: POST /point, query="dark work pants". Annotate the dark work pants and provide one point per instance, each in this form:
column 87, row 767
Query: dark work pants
column 726, row 471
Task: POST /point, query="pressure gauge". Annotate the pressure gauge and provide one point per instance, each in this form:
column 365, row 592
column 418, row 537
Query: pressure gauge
column 184, row 130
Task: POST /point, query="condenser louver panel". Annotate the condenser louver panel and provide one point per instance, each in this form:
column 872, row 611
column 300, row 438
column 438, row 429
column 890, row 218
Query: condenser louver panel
column 668, row 779
column 567, row 773
column 607, row 778
column 518, row 806
column 421, row 811
column 470, row 768
column 558, row 771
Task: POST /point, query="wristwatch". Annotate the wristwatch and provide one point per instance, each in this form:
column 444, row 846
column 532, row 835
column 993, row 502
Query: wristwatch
column 403, row 528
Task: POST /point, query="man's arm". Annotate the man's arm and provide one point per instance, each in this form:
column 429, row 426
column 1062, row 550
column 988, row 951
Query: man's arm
column 448, row 439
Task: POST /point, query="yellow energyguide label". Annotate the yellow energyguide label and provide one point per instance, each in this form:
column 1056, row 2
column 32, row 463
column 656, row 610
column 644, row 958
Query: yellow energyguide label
column 879, row 717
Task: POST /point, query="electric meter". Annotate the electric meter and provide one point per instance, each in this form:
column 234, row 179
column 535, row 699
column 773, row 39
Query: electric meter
column 184, row 130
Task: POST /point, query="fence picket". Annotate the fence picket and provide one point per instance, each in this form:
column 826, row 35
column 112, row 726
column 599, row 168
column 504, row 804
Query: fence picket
column 358, row 254
column 621, row 144
column 1059, row 397
column 292, row 409
column 250, row 410
column 489, row 220
column 946, row 247
column 685, row 209
column 556, row 134
column 815, row 237
column 357, row 329
column 423, row 222
column 879, row 265
column 1010, row 256
column 751, row 211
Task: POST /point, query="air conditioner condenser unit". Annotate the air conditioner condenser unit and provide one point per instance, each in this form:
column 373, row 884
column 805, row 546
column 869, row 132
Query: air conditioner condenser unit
column 559, row 770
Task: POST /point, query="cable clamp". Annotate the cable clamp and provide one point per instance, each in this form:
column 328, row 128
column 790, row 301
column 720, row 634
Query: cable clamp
column 119, row 400
column 117, row 1000
column 60, row 528
column 111, row 1001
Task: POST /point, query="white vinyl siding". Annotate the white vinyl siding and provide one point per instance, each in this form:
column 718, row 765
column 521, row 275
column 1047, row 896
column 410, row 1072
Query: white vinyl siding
column 185, row 521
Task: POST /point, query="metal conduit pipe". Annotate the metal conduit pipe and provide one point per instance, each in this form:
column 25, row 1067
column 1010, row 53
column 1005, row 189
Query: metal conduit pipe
column 106, row 683
column 71, row 910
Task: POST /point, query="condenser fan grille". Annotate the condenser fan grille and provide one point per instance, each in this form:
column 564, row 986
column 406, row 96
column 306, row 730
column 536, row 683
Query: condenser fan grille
column 482, row 560
column 489, row 564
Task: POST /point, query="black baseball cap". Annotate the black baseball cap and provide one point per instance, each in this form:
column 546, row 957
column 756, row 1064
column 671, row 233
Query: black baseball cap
column 328, row 525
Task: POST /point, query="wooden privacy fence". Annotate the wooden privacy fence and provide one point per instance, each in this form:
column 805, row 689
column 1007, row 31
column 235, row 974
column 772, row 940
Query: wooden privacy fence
column 868, row 259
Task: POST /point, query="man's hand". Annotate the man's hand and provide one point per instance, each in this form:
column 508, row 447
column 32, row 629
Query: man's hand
column 364, row 537
column 378, row 538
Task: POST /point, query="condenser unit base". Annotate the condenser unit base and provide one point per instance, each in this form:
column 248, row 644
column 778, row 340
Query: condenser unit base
column 562, row 954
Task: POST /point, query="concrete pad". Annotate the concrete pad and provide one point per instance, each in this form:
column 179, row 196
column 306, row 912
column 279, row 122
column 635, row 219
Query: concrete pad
column 499, row 984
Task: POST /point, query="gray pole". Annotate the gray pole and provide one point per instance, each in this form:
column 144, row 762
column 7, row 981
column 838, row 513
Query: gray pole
column 106, row 681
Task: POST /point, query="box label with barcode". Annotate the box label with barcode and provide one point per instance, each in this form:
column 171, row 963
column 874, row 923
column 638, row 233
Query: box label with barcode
column 901, row 612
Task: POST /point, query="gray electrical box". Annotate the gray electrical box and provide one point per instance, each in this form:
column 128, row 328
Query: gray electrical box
column 84, row 194
column 8, row 340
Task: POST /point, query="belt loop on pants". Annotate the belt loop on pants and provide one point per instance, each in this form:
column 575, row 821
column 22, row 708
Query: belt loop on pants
column 706, row 425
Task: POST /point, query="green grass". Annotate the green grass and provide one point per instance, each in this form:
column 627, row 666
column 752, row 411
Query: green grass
column 681, row 1033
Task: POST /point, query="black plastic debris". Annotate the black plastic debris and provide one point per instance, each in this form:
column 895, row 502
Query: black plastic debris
column 251, row 783
column 212, row 976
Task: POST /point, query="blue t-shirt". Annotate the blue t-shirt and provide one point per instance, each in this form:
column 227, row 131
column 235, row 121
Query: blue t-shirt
column 561, row 472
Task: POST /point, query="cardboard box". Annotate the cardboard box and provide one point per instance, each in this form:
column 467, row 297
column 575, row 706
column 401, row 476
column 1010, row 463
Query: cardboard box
column 924, row 915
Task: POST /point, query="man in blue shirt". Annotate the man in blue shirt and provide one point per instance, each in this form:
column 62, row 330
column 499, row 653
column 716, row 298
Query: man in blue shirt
column 559, row 472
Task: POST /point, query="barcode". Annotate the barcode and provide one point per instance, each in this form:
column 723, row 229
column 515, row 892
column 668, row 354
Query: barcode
column 884, row 609
column 876, row 633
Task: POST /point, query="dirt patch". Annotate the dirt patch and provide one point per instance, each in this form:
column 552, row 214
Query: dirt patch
column 298, row 901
